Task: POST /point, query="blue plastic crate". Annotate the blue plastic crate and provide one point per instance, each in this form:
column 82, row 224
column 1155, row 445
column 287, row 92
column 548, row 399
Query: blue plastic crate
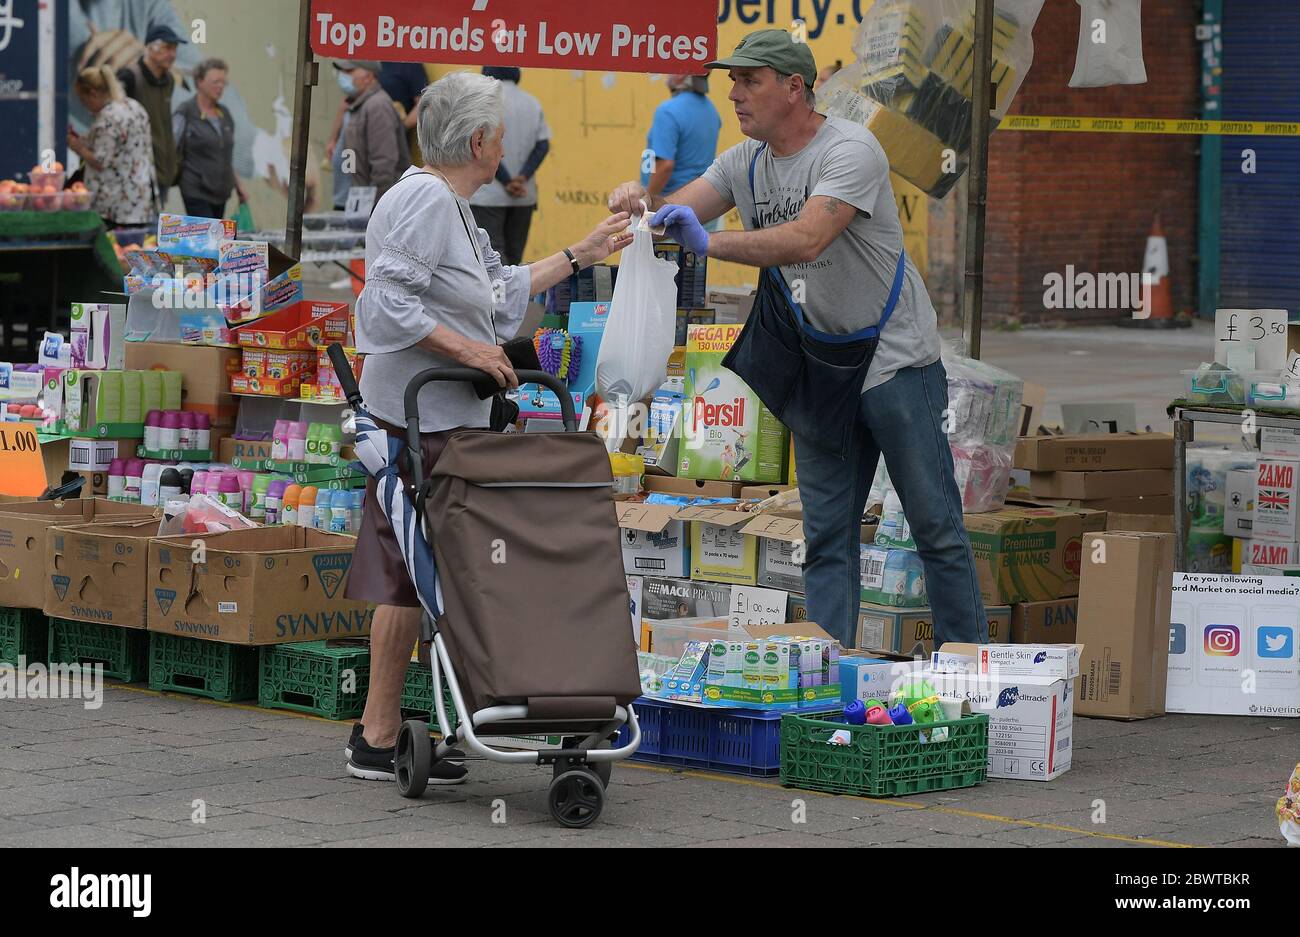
column 734, row 741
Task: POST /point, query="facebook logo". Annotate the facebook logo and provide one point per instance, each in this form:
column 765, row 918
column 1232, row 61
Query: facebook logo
column 1177, row 638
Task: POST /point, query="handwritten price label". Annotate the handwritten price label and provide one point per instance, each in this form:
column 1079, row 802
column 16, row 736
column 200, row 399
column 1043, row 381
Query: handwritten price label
column 22, row 470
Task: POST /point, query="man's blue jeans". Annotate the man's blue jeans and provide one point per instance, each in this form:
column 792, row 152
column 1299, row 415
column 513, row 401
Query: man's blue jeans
column 902, row 420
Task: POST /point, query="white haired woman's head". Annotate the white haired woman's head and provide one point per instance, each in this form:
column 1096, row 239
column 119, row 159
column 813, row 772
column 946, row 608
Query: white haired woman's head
column 452, row 112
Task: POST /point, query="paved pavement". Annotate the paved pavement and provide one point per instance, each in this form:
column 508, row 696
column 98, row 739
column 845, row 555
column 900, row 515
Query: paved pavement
column 137, row 771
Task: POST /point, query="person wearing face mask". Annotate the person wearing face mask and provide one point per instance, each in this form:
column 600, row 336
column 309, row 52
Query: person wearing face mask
column 149, row 80
column 437, row 295
column 374, row 137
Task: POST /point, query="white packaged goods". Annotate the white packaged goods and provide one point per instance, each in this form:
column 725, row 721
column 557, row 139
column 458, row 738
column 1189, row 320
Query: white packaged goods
column 1110, row 44
column 983, row 422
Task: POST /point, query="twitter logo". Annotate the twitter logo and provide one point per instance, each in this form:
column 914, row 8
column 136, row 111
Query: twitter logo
column 1276, row 642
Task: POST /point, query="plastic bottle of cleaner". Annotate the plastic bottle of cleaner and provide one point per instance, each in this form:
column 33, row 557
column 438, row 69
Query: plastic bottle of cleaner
column 335, row 436
column 893, row 523
column 169, row 436
column 324, row 509
column 150, row 483
column 257, row 507
column 358, row 508
column 202, row 431
column 312, row 453
column 212, row 485
column 274, row 495
column 187, row 429
column 307, row 506
column 187, row 478
column 117, row 480
column 289, row 505
column 229, row 493
column 297, row 442
column 134, row 471
column 245, row 477
column 198, row 482
column 340, row 512
column 169, row 486
column 153, row 430
column 280, row 441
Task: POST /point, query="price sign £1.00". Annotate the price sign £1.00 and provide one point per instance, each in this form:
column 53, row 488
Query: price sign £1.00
column 22, row 469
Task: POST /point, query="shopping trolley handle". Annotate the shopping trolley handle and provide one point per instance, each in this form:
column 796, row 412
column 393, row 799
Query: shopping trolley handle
column 343, row 371
column 473, row 376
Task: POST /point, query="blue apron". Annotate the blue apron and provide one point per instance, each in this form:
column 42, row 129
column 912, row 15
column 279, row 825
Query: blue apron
column 810, row 380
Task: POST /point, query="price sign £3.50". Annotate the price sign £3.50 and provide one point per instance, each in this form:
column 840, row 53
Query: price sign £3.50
column 22, row 469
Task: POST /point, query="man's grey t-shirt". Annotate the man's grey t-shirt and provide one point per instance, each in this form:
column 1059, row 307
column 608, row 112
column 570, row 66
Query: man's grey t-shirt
column 847, row 287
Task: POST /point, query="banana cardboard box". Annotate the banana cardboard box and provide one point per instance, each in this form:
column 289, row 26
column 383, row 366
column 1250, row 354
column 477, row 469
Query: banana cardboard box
column 1029, row 554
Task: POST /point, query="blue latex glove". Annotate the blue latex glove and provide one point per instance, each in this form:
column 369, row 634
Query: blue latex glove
column 683, row 227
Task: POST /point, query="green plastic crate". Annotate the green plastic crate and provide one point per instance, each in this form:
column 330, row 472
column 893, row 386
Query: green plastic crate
column 226, row 672
column 417, row 694
column 124, row 652
column 883, row 761
column 24, row 632
column 311, row 678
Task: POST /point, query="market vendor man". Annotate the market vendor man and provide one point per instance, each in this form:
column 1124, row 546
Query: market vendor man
column 842, row 342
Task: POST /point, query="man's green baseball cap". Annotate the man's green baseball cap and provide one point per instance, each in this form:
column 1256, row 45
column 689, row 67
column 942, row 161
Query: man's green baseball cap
column 776, row 49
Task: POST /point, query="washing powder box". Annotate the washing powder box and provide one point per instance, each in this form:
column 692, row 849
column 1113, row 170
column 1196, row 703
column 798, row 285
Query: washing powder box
column 720, row 551
column 727, row 433
column 654, row 542
column 308, row 324
column 191, row 236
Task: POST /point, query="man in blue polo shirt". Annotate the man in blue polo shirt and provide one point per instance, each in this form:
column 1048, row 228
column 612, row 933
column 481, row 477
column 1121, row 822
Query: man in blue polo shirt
column 683, row 138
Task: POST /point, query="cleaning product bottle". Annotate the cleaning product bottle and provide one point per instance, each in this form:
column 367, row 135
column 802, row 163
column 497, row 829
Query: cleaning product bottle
column 150, row 482
column 280, row 441
column 134, row 471
column 274, row 501
column 257, row 509
column 245, row 490
column 335, row 438
column 340, row 511
column 169, row 486
column 893, row 523
column 316, row 443
column 307, row 506
column 212, row 485
column 229, row 492
column 203, row 432
column 187, row 430
column 169, row 435
column 358, row 508
column 187, row 479
column 289, row 504
column 855, row 714
column 117, row 480
column 153, row 430
column 324, row 509
column 198, row 482
column 297, row 442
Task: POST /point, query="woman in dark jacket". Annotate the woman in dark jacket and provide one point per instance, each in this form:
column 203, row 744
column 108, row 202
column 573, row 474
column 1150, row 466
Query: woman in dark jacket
column 205, row 140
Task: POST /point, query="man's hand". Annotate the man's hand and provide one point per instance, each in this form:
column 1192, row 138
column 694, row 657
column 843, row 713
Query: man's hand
column 683, row 227
column 518, row 187
column 628, row 198
column 115, row 48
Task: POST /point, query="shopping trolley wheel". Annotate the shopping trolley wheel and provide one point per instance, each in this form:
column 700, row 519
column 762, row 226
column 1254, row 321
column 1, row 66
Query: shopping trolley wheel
column 604, row 769
column 411, row 759
column 576, row 798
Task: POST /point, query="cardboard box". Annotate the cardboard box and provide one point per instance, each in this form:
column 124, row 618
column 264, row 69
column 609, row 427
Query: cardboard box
column 1052, row 622
column 97, row 571
column 1124, row 595
column 94, row 484
column 1028, row 554
column 304, row 325
column 654, row 543
column 265, row 386
column 635, row 585
column 727, row 433
column 96, row 455
column 692, row 487
column 1045, row 662
column 256, row 279
column 206, row 375
column 265, row 585
column 1090, row 451
column 246, row 451
column 1125, row 483
column 1228, row 634
column 24, row 527
column 1154, row 505
column 864, row 678
column 720, row 552
column 763, row 492
column 1031, row 717
column 98, row 334
column 1269, row 553
column 780, row 551
column 901, row 629
column 1277, row 515
column 1278, row 443
column 1155, row 523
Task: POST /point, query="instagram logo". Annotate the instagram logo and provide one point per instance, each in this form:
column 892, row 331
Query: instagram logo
column 1222, row 641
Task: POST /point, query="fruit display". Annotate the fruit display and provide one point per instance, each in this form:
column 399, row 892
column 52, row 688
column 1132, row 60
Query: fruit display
column 44, row 192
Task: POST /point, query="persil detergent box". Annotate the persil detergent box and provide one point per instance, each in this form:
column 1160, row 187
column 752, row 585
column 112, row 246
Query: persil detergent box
column 727, row 433
column 193, row 236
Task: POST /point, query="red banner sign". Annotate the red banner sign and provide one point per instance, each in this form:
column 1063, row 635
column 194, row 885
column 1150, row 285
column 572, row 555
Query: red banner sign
column 666, row 36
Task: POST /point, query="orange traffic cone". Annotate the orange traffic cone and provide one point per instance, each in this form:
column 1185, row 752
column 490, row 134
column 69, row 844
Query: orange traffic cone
column 1157, row 310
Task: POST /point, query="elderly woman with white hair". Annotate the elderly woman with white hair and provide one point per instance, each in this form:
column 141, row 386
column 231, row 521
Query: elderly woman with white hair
column 436, row 295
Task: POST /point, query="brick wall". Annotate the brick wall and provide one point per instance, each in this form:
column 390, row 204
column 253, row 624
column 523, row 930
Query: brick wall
column 1088, row 199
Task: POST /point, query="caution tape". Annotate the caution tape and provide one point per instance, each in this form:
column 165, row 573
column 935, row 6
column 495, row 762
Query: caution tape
column 1204, row 128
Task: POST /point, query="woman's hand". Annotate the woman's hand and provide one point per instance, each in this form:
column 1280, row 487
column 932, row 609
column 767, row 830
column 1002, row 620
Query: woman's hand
column 491, row 360
column 610, row 236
